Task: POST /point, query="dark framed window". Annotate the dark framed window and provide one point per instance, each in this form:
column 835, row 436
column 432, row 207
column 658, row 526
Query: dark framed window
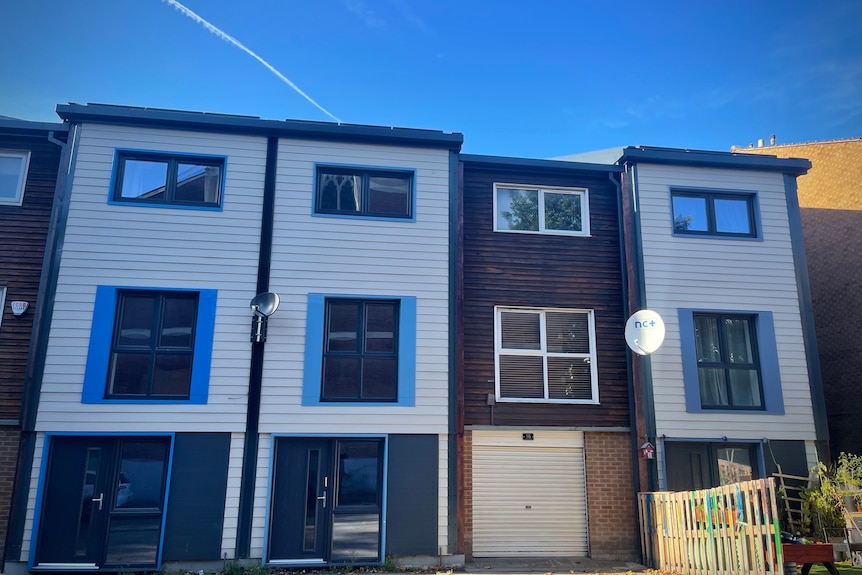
column 364, row 192
column 713, row 213
column 169, row 179
column 152, row 347
column 360, row 350
column 728, row 367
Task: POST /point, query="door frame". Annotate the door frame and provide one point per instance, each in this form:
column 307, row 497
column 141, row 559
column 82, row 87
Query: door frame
column 47, row 438
column 267, row 523
column 711, row 444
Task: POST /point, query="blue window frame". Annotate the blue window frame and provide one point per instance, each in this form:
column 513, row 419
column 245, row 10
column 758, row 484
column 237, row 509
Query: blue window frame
column 150, row 345
column 351, row 339
column 364, row 192
column 730, row 361
column 168, row 179
column 714, row 213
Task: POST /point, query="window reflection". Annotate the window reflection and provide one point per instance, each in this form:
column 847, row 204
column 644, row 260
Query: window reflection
column 734, row 465
column 356, row 537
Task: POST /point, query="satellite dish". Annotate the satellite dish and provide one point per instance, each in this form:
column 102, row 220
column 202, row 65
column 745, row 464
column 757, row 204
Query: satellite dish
column 645, row 332
column 264, row 304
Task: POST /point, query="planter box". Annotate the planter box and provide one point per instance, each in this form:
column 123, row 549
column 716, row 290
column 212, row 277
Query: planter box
column 816, row 553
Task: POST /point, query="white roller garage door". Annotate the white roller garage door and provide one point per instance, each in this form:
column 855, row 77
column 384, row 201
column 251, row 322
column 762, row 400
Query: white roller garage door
column 529, row 495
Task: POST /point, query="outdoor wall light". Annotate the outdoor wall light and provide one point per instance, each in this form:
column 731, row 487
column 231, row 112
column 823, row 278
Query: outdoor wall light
column 263, row 305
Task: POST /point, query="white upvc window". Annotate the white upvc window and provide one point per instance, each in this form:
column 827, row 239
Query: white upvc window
column 545, row 355
column 526, row 209
column 13, row 176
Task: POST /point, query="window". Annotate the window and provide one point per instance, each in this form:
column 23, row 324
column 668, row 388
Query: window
column 713, row 213
column 13, row 176
column 546, row 355
column 168, row 179
column 730, row 361
column 541, row 210
column 360, row 349
column 364, row 192
column 150, row 345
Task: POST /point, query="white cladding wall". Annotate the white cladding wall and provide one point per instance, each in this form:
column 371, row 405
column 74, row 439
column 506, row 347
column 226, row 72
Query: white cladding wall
column 723, row 274
column 110, row 244
column 350, row 256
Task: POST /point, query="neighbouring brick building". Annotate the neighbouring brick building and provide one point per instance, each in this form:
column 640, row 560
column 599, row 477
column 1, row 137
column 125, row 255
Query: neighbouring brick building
column 830, row 201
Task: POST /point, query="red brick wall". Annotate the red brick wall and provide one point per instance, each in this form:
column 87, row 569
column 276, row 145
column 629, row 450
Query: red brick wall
column 610, row 497
column 468, row 494
column 8, row 456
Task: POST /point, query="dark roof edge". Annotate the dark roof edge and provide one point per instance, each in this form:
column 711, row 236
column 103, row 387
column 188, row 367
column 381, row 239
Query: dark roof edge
column 704, row 158
column 534, row 163
column 250, row 125
column 11, row 125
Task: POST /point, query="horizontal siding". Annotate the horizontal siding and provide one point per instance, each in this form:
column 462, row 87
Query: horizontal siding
column 231, row 502
column 261, row 487
column 443, row 496
column 29, row 536
column 155, row 247
column 362, row 257
column 702, row 273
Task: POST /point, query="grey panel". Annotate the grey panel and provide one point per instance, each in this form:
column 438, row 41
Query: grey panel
column 790, row 455
column 193, row 529
column 411, row 512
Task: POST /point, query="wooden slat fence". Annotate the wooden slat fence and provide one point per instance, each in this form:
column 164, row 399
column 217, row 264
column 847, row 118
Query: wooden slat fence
column 728, row 530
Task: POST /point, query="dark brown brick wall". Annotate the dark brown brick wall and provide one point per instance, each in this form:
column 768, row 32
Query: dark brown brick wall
column 468, row 494
column 8, row 455
column 610, row 497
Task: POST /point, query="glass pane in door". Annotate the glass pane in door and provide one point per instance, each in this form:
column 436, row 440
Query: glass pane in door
column 88, row 493
column 309, row 528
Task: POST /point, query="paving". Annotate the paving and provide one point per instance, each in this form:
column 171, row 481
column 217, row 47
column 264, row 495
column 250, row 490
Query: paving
column 555, row 565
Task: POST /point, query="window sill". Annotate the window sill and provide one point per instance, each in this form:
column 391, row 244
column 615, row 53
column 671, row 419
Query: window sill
column 556, row 401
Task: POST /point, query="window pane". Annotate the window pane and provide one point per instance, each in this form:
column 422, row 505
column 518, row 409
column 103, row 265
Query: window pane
column 10, row 172
column 522, row 377
column 379, row 378
column 739, row 348
column 144, row 179
column 520, row 330
column 136, row 321
column 517, row 209
column 142, row 470
column 380, row 327
column 343, row 319
column 745, row 387
column 340, row 192
column 389, row 195
column 713, row 389
column 356, row 537
column 567, row 332
column 563, row 212
column 198, row 183
column 130, row 374
column 689, row 214
column 731, row 216
column 340, row 377
column 734, row 465
column 133, row 539
column 173, row 374
column 569, row 378
column 358, row 477
column 178, row 321
column 706, row 339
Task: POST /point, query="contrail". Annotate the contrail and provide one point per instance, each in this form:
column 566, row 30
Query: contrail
column 230, row 39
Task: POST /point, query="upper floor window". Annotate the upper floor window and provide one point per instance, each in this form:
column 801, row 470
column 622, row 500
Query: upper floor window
column 364, row 192
column 13, row 176
column 543, row 210
column 546, row 355
column 728, row 366
column 150, row 345
column 713, row 213
column 169, row 179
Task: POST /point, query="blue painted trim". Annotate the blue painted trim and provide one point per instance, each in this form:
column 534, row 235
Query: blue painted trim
column 413, row 191
column 773, row 399
column 755, row 206
column 115, row 168
column 313, row 364
column 43, row 467
column 267, row 517
column 102, row 332
column 384, row 499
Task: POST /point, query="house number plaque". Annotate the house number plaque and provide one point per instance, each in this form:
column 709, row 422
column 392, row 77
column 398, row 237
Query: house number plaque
column 527, row 436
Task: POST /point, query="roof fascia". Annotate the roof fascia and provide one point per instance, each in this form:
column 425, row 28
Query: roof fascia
column 707, row 159
column 506, row 162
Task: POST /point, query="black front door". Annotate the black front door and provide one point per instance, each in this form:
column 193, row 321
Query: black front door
column 694, row 465
column 103, row 502
column 326, row 500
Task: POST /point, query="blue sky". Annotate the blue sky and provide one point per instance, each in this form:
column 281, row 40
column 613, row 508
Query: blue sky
column 535, row 79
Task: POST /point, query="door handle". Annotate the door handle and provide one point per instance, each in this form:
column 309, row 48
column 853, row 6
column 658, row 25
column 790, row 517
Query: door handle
column 322, row 497
column 100, row 500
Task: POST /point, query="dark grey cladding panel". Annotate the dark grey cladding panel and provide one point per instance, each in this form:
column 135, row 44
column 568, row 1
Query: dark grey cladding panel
column 193, row 530
column 789, row 454
column 411, row 512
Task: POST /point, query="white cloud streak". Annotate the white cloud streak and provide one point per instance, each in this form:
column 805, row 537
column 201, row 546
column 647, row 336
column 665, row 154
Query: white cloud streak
column 231, row 40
